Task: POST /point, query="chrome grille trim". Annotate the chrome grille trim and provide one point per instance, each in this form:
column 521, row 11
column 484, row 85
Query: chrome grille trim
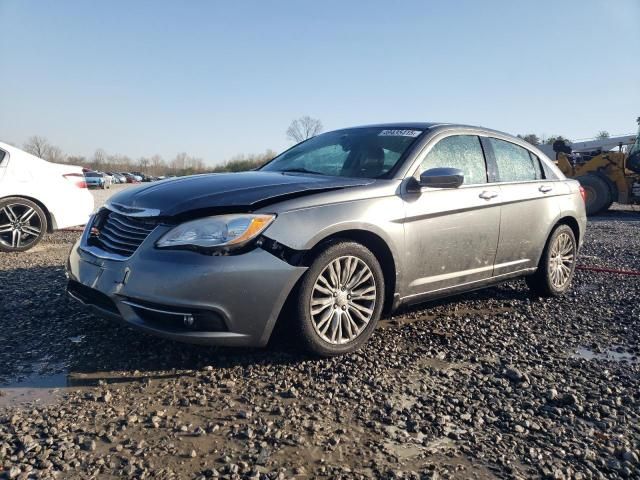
column 118, row 234
column 116, row 218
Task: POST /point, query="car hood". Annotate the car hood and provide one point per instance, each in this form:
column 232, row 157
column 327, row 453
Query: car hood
column 229, row 192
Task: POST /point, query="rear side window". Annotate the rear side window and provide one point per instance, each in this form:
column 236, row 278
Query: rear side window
column 536, row 166
column 459, row 151
column 2, row 155
column 514, row 163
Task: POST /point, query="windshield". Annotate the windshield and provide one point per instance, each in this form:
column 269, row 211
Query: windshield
column 93, row 175
column 368, row 152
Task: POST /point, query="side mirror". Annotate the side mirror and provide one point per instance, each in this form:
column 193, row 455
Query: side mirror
column 444, row 177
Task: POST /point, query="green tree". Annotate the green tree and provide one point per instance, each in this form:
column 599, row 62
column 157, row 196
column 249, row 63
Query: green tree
column 532, row 138
column 602, row 134
column 554, row 138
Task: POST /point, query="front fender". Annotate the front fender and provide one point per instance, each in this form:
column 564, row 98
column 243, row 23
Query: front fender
column 303, row 229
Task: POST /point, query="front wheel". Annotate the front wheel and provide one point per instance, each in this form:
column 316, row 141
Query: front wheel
column 340, row 299
column 555, row 270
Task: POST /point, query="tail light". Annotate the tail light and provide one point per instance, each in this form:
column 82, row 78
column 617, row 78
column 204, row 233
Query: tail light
column 77, row 179
column 583, row 193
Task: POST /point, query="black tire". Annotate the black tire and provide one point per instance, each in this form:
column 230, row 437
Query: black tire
column 19, row 220
column 542, row 282
column 343, row 316
column 598, row 193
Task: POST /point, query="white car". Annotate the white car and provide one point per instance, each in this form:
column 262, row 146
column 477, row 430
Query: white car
column 37, row 197
column 108, row 179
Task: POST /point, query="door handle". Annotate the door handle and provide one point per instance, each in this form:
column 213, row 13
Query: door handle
column 545, row 188
column 488, row 195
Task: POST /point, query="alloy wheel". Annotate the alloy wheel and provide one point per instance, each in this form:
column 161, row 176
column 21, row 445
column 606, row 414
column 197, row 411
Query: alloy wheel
column 343, row 300
column 561, row 260
column 20, row 225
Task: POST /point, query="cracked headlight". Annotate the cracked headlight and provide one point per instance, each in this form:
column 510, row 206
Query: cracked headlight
column 219, row 231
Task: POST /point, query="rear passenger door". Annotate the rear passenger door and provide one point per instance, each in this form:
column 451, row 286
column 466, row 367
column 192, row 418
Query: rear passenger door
column 527, row 201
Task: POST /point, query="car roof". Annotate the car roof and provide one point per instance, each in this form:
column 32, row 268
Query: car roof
column 436, row 126
column 398, row 125
column 425, row 126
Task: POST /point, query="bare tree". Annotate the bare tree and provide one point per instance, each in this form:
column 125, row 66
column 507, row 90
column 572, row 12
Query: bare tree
column 241, row 163
column 602, row 134
column 55, row 155
column 143, row 163
column 303, row 128
column 158, row 165
column 99, row 157
column 38, row 146
column 77, row 160
column 179, row 162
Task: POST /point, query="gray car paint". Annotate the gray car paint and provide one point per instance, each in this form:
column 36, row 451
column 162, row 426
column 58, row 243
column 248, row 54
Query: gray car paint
column 451, row 236
column 441, row 241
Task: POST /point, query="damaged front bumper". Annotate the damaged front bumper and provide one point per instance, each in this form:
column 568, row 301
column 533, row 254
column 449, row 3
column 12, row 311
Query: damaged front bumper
column 231, row 300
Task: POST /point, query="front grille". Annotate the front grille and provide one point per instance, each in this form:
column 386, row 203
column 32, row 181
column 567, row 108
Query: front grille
column 120, row 234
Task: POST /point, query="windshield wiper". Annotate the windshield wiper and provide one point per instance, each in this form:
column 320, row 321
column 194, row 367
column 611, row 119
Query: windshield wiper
column 300, row 170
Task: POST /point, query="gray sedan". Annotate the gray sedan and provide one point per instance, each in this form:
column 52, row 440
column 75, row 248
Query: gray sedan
column 329, row 235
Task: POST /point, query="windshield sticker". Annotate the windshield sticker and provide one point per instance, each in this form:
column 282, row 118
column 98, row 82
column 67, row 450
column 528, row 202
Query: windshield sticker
column 399, row 133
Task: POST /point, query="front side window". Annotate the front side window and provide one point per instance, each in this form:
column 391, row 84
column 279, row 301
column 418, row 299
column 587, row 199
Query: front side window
column 459, row 151
column 368, row 152
column 2, row 155
column 514, row 163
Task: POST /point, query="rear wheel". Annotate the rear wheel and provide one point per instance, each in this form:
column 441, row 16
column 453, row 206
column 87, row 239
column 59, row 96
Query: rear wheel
column 556, row 267
column 22, row 224
column 598, row 193
column 340, row 299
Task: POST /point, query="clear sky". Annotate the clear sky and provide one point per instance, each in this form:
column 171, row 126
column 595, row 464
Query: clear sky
column 218, row 78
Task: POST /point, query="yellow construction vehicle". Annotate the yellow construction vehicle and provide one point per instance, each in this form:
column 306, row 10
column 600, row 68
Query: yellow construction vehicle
column 606, row 175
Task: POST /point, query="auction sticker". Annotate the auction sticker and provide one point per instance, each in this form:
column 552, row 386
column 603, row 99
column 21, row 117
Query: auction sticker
column 399, row 133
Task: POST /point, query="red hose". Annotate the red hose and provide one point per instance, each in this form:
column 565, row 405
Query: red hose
column 608, row 270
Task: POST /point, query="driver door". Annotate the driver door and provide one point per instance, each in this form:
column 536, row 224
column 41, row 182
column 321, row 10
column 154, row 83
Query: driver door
column 451, row 234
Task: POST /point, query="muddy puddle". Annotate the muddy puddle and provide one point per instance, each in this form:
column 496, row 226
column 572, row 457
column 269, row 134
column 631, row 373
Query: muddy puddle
column 46, row 389
column 40, row 389
column 615, row 353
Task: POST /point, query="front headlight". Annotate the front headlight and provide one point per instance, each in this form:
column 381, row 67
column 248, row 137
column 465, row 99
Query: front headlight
column 219, row 231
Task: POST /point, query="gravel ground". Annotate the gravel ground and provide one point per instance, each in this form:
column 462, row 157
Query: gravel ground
column 492, row 384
